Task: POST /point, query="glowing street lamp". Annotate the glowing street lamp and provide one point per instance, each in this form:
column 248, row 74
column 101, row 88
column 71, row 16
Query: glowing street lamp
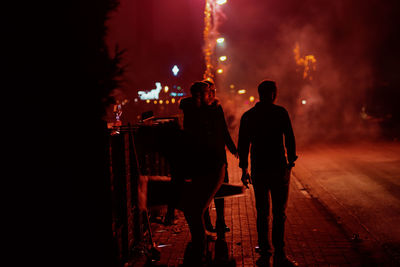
column 251, row 98
column 220, row 71
column 175, row 70
column 241, row 91
column 303, row 102
column 166, row 88
column 221, row 2
column 222, row 58
column 221, row 40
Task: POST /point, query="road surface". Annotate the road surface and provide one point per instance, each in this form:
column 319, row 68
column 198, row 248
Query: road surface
column 360, row 185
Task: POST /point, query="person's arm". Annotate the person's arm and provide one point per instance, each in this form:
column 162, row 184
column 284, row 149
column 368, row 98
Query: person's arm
column 227, row 136
column 243, row 149
column 290, row 142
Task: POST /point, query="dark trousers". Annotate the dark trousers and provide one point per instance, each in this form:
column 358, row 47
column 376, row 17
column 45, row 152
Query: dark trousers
column 196, row 198
column 271, row 188
column 220, row 209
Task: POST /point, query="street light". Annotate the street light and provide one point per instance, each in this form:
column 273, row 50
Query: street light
column 175, row 70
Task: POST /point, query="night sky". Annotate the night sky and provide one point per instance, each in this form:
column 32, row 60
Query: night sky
column 355, row 44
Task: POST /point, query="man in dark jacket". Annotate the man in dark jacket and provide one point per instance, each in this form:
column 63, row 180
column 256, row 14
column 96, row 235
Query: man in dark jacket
column 268, row 130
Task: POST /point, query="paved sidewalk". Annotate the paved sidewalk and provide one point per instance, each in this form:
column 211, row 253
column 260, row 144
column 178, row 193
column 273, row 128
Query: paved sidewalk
column 313, row 236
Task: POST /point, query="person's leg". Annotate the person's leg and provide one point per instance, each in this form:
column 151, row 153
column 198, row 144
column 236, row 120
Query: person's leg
column 261, row 193
column 207, row 221
column 220, row 208
column 220, row 211
column 196, row 200
column 195, row 222
column 279, row 198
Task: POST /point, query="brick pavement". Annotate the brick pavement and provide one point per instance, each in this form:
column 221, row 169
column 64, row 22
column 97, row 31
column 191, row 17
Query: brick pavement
column 313, row 236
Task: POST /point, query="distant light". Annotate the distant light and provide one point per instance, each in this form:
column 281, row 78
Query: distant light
column 166, row 88
column 220, row 71
column 232, row 86
column 221, row 2
column 167, row 102
column 179, row 88
column 241, row 91
column 251, row 98
column 152, row 94
column 303, row 102
column 160, row 101
column 136, row 100
column 155, row 102
column 222, row 58
column 175, row 70
column 176, row 94
column 148, row 101
column 221, row 40
column 173, row 100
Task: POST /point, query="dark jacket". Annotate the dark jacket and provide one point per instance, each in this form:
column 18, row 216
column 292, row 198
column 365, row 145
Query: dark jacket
column 206, row 134
column 266, row 127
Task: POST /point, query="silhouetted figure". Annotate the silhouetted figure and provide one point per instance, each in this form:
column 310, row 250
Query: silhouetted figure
column 204, row 130
column 220, row 224
column 190, row 107
column 268, row 130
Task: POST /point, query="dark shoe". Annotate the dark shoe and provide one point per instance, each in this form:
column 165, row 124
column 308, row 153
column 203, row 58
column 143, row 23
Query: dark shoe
column 263, row 251
column 264, row 261
column 223, row 228
column 211, row 229
column 282, row 260
column 226, row 229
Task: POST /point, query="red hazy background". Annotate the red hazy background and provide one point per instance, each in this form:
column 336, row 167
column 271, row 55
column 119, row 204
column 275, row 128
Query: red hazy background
column 355, row 86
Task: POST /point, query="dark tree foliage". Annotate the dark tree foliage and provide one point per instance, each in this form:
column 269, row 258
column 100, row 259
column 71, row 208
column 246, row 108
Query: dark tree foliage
column 64, row 76
column 96, row 76
column 100, row 72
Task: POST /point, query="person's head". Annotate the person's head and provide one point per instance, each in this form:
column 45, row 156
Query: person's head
column 212, row 89
column 197, row 90
column 267, row 91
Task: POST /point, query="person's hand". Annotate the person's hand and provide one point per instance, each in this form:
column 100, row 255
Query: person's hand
column 291, row 162
column 290, row 165
column 246, row 179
